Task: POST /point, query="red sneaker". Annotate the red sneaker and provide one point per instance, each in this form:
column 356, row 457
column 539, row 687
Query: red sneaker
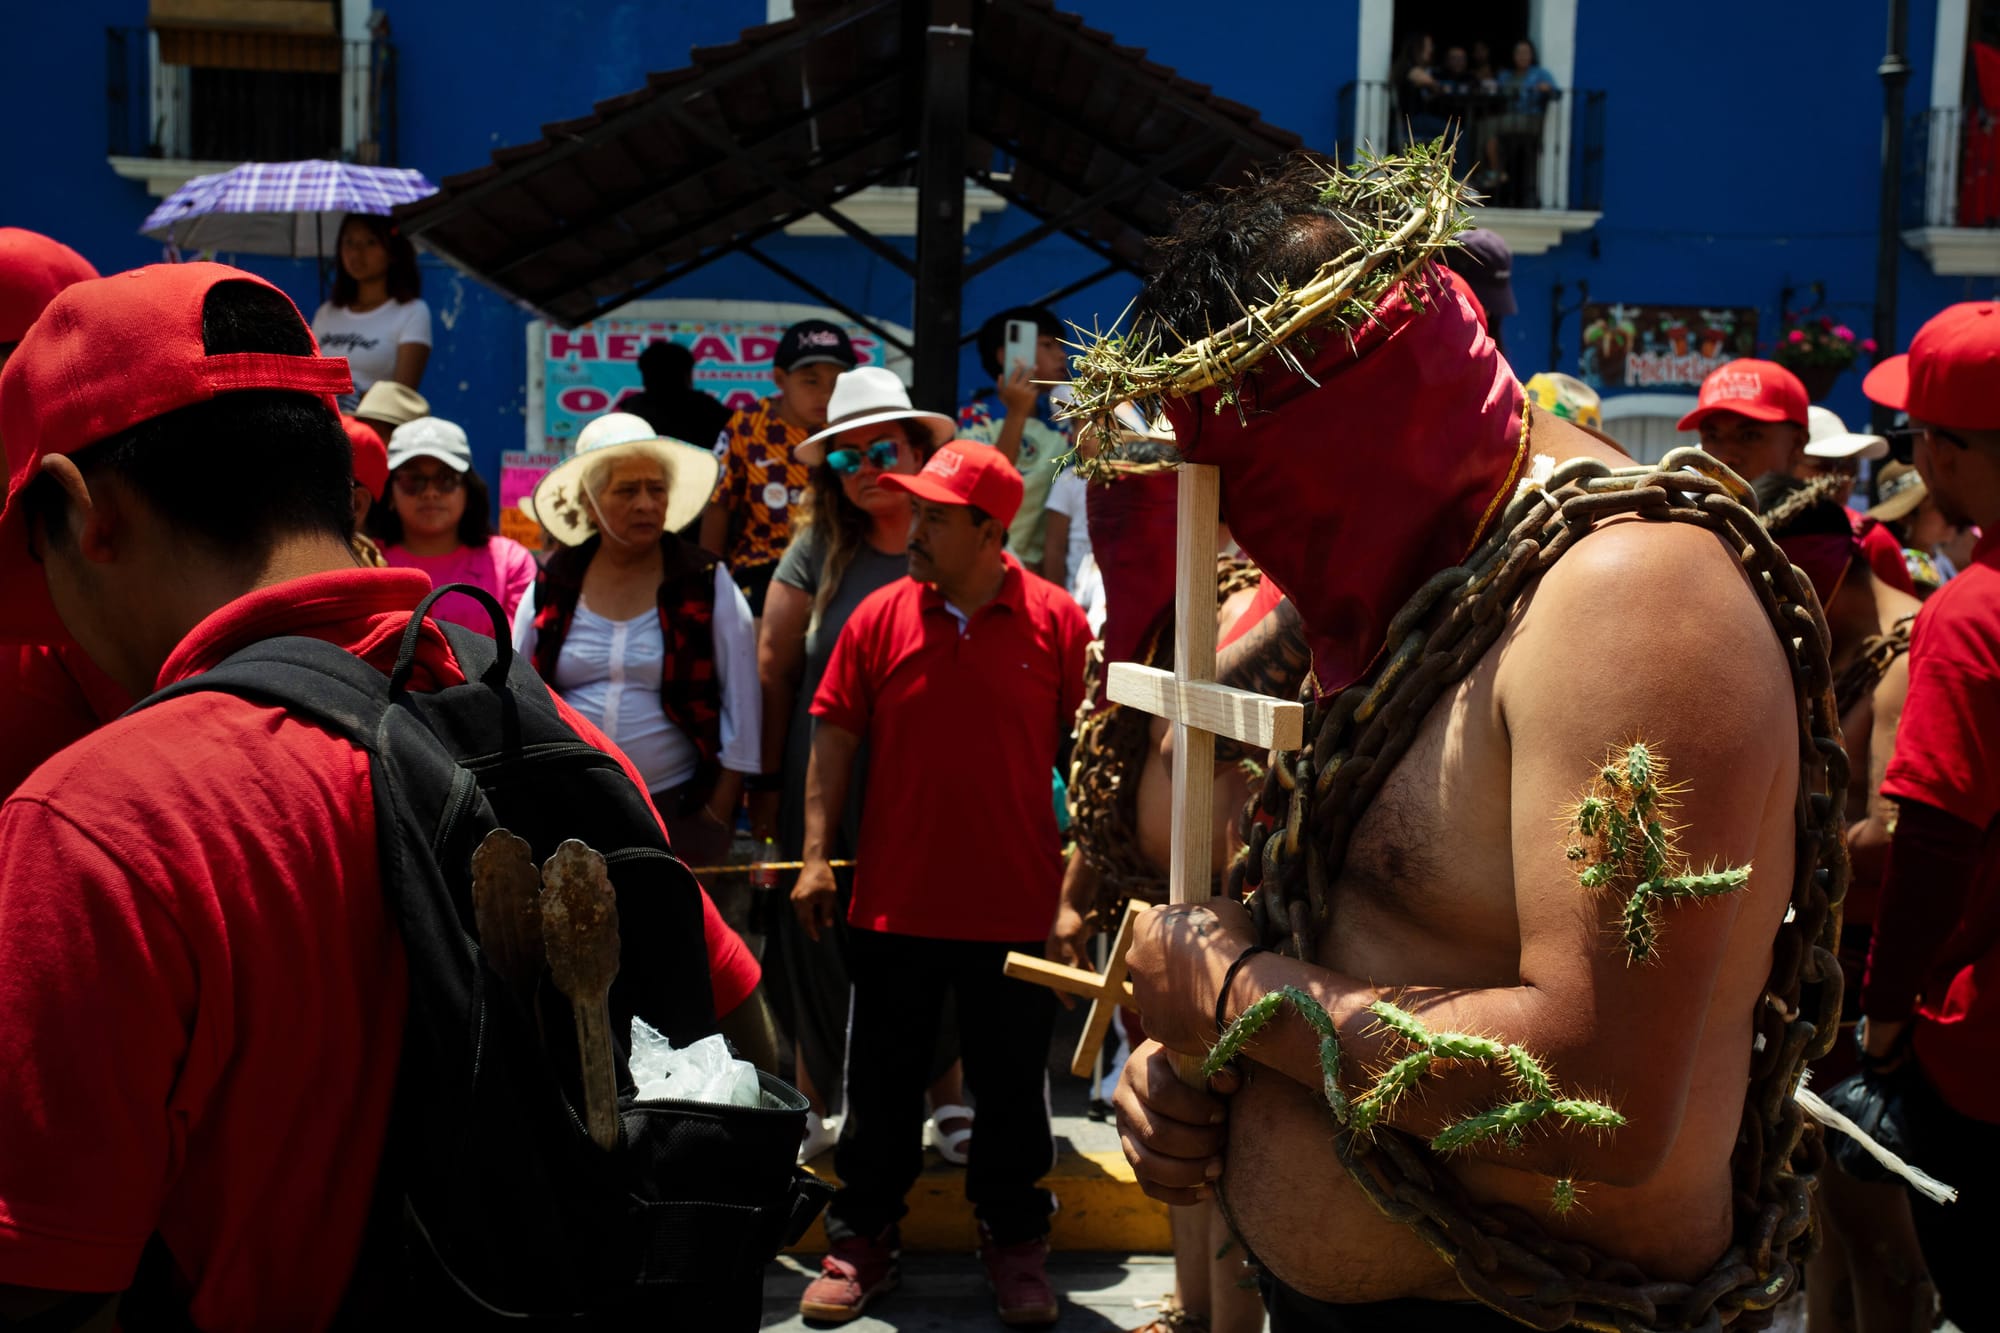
column 853, row 1273
column 1019, row 1276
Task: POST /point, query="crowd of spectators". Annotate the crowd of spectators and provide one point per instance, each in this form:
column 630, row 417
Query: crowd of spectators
column 1498, row 112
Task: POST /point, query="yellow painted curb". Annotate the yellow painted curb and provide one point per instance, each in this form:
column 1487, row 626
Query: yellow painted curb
column 1102, row 1208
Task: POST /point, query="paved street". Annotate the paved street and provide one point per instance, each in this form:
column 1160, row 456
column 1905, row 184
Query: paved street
column 948, row 1292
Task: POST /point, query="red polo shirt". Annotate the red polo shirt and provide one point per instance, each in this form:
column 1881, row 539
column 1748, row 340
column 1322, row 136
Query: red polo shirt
column 958, row 838
column 202, row 993
column 1948, row 756
column 49, row 697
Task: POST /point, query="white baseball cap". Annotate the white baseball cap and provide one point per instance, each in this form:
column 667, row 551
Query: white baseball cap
column 430, row 437
column 1827, row 436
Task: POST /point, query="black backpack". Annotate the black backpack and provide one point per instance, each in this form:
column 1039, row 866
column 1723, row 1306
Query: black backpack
column 492, row 1203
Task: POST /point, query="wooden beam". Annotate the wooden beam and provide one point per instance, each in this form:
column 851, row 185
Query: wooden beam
column 422, row 219
column 941, row 163
column 824, row 297
column 1200, row 511
column 1058, row 976
column 616, row 212
column 699, row 261
column 724, row 141
column 1134, row 176
column 1253, row 719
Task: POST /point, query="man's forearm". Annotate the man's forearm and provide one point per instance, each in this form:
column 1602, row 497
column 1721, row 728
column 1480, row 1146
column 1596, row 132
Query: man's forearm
column 827, row 779
column 1451, row 1090
column 1931, row 863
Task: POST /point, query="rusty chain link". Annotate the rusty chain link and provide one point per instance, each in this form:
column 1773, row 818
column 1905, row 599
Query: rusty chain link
column 1314, row 799
column 1112, row 746
column 1858, row 679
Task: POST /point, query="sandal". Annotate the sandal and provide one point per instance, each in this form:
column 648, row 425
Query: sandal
column 952, row 1144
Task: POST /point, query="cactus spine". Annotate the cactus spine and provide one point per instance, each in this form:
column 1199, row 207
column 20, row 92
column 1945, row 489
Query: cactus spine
column 1618, row 838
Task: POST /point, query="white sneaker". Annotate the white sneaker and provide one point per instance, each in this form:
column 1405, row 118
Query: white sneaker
column 821, row 1134
column 951, row 1145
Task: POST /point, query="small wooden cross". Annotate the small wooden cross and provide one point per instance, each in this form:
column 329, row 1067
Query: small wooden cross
column 1200, row 710
column 1105, row 991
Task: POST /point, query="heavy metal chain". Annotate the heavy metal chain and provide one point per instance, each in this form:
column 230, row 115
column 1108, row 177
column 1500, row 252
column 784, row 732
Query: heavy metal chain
column 1313, row 800
column 1112, row 746
column 1858, row 679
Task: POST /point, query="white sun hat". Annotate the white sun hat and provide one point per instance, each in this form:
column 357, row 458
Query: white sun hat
column 1827, row 436
column 558, row 502
column 869, row 396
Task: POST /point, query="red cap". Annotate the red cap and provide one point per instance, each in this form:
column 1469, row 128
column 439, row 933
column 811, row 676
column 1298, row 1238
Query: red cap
column 33, row 268
column 1951, row 375
column 966, row 473
column 371, row 456
column 1760, row 390
column 106, row 355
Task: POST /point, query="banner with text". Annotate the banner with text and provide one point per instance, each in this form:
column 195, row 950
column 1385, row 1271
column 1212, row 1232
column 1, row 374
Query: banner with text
column 1661, row 346
column 588, row 370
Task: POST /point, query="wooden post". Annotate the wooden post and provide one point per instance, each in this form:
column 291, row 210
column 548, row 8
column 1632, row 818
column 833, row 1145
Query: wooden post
column 947, row 65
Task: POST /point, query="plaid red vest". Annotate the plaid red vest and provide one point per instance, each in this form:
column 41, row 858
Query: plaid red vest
column 690, row 689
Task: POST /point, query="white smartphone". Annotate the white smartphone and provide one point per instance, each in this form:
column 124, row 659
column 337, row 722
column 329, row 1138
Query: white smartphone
column 1019, row 348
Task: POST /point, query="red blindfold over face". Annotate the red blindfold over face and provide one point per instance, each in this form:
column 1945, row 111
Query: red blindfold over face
column 1825, row 557
column 1350, row 495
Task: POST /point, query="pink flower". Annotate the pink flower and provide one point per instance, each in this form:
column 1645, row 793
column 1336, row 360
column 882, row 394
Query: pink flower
column 1796, row 336
column 1868, row 345
column 1844, row 333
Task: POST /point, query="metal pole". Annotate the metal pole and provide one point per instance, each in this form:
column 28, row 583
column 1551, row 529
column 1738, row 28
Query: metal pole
column 941, row 201
column 1895, row 72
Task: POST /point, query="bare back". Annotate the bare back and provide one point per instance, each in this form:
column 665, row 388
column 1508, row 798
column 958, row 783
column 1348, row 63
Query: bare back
column 1455, row 882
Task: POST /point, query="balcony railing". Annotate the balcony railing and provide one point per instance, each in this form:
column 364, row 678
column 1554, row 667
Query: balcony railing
column 1522, row 151
column 1951, row 169
column 250, row 98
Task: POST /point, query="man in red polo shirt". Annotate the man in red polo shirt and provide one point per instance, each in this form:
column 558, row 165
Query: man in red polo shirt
column 1929, row 993
column 48, row 696
column 963, row 680
column 203, row 993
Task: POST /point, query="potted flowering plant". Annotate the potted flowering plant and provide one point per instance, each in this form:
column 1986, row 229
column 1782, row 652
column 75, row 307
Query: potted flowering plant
column 1818, row 352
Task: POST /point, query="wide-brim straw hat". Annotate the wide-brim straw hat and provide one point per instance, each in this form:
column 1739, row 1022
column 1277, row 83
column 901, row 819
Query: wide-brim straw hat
column 870, row 396
column 558, row 501
column 1902, row 489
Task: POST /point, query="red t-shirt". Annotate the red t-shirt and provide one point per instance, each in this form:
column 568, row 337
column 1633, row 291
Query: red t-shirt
column 1948, row 756
column 958, row 837
column 203, row 992
column 49, row 697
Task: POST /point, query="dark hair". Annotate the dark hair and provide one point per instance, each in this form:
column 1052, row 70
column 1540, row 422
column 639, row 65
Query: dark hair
column 475, row 525
column 980, row 518
column 1228, row 246
column 240, row 472
column 1409, row 57
column 992, row 337
column 1794, row 508
column 405, row 282
column 667, row 364
column 1534, row 52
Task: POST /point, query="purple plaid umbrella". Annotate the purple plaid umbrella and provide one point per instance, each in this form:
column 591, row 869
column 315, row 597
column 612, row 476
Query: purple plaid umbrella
column 293, row 209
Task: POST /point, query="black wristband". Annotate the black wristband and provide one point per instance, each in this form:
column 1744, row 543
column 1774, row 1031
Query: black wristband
column 1228, row 980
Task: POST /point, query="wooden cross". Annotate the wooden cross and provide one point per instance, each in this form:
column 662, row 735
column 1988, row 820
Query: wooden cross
column 1105, row 991
column 1200, row 710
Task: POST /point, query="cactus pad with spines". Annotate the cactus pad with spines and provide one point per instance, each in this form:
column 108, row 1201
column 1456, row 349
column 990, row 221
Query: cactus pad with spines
column 1617, row 838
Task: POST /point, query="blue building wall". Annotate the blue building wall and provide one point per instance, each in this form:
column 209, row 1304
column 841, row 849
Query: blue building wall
column 1741, row 150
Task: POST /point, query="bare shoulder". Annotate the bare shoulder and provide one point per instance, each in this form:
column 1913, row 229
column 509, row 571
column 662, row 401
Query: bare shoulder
column 1663, row 610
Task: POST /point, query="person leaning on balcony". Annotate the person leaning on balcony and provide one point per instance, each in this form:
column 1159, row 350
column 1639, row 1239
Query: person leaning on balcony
column 1513, row 138
column 376, row 317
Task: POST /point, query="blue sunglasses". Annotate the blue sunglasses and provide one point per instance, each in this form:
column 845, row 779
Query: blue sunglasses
column 883, row 454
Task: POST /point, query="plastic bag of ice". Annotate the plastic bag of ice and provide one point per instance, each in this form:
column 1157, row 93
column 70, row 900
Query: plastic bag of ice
column 702, row 1072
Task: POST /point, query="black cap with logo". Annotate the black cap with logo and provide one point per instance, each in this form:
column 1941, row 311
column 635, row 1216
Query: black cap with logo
column 812, row 342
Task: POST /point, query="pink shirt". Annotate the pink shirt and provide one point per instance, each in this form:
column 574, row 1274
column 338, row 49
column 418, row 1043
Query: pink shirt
column 503, row 567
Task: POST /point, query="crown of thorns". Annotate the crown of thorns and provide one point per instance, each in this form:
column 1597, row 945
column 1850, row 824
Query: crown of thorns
column 1783, row 516
column 1401, row 211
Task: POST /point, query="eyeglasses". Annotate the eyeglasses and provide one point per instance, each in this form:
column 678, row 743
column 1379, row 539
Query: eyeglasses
column 883, row 454
column 416, row 483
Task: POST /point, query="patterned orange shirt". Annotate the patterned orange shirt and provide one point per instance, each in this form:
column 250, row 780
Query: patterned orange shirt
column 761, row 484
